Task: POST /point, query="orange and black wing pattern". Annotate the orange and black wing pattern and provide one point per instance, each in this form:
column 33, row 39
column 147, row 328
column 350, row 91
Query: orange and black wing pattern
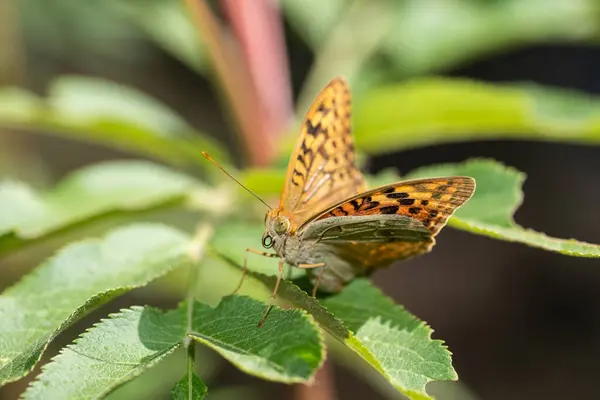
column 322, row 169
column 430, row 201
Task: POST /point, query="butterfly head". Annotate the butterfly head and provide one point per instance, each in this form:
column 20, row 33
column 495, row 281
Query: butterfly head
column 277, row 226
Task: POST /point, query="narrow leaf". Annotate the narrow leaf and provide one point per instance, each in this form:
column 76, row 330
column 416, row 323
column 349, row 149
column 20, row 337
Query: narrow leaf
column 78, row 278
column 92, row 192
column 190, row 387
column 109, row 354
column 106, row 113
column 432, row 111
column 490, row 211
column 288, row 347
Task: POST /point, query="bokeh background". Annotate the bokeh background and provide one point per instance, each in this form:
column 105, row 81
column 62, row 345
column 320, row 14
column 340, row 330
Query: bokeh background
column 522, row 323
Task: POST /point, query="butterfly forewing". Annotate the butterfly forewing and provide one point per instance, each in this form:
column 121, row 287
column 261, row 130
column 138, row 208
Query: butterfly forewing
column 429, row 201
column 322, row 169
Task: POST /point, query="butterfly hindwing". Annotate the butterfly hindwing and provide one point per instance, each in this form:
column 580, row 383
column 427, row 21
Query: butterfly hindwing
column 356, row 245
column 322, row 169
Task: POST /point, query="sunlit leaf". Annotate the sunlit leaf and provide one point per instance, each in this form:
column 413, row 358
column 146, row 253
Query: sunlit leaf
column 103, row 112
column 432, row 111
column 110, row 353
column 384, row 334
column 92, row 192
column 286, row 348
column 79, row 278
column 490, row 210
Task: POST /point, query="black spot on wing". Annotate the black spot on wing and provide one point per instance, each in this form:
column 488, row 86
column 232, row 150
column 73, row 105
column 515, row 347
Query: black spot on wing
column 311, row 129
column 407, row 202
column 399, row 195
column 389, row 209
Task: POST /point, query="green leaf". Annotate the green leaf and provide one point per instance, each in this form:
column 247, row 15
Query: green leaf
column 426, row 39
column 422, row 112
column 314, row 27
column 106, row 113
column 168, row 24
column 385, row 335
column 92, row 192
column 79, row 278
column 190, row 387
column 489, row 212
column 109, row 354
column 286, row 348
column 394, row 341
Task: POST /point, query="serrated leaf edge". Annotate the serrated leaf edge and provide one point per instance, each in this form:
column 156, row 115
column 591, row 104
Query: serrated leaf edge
column 112, row 316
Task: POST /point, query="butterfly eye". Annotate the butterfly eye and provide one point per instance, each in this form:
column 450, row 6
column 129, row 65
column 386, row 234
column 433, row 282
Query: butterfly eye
column 282, row 225
column 267, row 241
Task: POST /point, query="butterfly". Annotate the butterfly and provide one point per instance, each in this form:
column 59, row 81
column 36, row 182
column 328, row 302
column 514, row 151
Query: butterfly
column 329, row 224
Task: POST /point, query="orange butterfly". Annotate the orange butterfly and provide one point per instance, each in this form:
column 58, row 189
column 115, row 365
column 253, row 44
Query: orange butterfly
column 330, row 225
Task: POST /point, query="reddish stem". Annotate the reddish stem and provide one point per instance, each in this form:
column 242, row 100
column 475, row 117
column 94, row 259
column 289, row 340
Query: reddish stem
column 258, row 27
column 236, row 82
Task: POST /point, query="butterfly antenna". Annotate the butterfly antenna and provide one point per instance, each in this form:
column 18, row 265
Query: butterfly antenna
column 209, row 158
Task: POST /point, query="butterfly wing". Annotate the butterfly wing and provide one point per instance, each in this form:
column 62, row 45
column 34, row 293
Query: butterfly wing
column 430, row 201
column 322, row 169
column 390, row 223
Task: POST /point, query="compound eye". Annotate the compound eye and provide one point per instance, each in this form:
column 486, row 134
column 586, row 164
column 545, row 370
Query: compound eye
column 282, row 225
column 267, row 242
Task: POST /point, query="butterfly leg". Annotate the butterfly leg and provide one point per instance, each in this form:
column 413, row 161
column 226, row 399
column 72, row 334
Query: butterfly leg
column 272, row 298
column 245, row 269
column 317, row 265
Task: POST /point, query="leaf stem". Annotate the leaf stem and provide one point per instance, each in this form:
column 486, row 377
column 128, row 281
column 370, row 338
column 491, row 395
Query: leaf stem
column 196, row 251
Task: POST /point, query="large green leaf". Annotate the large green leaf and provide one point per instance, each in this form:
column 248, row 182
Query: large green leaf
column 103, row 112
column 489, row 212
column 78, row 278
column 433, row 111
column 92, row 192
column 109, row 354
column 287, row 348
column 384, row 334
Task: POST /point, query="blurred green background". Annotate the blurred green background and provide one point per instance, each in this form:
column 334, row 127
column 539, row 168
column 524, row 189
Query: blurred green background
column 522, row 323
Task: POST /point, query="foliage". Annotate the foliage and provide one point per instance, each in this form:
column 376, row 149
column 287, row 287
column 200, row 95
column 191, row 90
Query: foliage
column 290, row 347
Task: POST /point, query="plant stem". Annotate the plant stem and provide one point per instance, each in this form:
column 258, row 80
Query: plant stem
column 259, row 30
column 196, row 251
column 235, row 79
